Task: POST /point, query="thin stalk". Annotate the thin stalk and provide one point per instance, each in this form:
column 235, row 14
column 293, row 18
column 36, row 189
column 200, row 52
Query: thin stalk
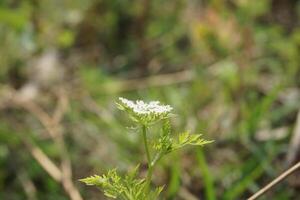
column 144, row 130
column 149, row 177
column 149, row 161
column 156, row 159
column 151, row 168
column 275, row 181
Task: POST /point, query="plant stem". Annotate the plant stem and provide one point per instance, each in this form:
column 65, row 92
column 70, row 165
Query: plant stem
column 149, row 161
column 146, row 144
column 151, row 168
column 275, row 181
column 148, row 178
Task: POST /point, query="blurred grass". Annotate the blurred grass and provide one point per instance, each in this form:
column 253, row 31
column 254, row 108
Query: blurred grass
column 208, row 178
column 229, row 69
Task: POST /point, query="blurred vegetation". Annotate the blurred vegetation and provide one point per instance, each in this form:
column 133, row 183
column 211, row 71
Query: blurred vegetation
column 231, row 69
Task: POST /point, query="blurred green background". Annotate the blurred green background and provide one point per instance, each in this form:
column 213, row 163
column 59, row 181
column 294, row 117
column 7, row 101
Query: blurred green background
column 231, row 69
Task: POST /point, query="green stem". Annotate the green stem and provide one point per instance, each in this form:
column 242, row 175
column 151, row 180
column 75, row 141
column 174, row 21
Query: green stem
column 156, row 159
column 148, row 178
column 146, row 145
column 151, row 163
column 150, row 169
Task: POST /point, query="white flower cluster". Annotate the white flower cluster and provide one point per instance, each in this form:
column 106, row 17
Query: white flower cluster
column 141, row 108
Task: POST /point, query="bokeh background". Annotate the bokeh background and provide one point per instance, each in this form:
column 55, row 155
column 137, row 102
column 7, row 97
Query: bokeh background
column 231, row 69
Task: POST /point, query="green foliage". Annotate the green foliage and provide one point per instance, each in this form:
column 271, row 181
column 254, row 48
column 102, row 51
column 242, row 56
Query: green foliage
column 129, row 187
column 166, row 143
column 186, row 138
column 123, row 188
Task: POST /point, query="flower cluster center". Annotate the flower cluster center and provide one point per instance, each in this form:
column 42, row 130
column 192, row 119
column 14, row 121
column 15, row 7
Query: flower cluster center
column 142, row 108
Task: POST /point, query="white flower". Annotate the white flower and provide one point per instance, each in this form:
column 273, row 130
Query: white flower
column 145, row 113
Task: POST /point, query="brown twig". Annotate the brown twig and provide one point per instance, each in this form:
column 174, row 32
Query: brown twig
column 151, row 81
column 275, row 181
column 53, row 127
column 294, row 142
column 44, row 161
column 27, row 185
column 185, row 194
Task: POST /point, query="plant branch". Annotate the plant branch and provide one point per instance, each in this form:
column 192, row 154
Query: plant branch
column 275, row 181
column 151, row 168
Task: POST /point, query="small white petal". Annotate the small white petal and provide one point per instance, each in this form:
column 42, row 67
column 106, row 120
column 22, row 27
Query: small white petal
column 141, row 108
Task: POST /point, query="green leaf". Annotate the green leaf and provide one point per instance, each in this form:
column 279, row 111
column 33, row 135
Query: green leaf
column 92, row 180
column 186, row 138
column 126, row 187
column 164, row 142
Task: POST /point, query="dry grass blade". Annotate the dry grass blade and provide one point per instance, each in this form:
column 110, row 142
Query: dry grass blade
column 294, row 148
column 185, row 194
column 28, row 185
column 294, row 143
column 45, row 162
column 275, row 181
column 152, row 81
column 52, row 124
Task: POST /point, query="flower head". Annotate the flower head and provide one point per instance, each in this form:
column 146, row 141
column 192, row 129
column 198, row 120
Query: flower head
column 145, row 113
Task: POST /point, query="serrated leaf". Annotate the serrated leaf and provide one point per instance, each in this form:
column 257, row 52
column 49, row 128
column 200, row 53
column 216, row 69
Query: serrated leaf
column 186, row 138
column 127, row 187
column 92, row 180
